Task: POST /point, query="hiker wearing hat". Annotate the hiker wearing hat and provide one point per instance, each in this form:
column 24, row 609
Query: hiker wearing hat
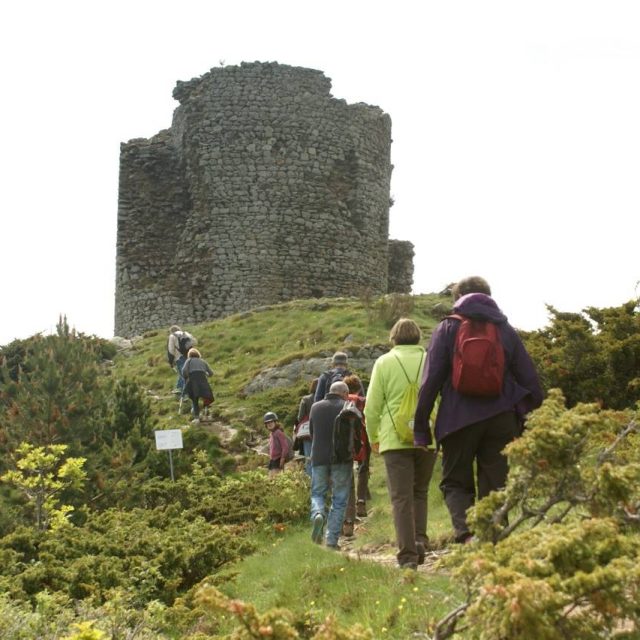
column 337, row 372
column 279, row 445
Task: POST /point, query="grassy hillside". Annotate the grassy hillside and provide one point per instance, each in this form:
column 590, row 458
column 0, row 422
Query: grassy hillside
column 240, row 346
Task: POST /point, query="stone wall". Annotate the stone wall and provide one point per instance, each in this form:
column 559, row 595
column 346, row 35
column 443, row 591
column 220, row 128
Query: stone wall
column 400, row 276
column 264, row 189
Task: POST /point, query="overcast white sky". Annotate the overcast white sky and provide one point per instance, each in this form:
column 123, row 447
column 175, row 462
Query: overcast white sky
column 516, row 135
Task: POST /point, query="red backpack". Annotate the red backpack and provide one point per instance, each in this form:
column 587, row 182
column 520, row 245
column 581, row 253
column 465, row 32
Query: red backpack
column 478, row 358
column 361, row 454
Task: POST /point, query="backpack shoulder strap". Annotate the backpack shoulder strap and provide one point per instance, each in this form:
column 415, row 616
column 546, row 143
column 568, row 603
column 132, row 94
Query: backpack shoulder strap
column 384, row 397
column 403, row 369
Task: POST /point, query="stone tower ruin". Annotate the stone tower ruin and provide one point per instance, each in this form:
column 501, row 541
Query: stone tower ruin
column 264, row 189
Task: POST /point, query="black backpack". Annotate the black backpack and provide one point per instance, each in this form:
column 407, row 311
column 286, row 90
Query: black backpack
column 335, row 375
column 185, row 342
column 347, row 433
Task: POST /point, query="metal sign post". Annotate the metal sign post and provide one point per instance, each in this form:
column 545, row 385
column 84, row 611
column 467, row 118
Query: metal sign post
column 169, row 439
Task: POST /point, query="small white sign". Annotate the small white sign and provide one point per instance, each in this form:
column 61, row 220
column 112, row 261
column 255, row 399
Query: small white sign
column 168, row 439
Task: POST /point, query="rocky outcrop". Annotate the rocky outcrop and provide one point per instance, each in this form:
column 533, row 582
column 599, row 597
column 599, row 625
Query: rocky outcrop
column 360, row 362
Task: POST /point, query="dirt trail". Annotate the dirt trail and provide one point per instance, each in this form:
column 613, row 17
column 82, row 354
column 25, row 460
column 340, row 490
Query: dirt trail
column 382, row 553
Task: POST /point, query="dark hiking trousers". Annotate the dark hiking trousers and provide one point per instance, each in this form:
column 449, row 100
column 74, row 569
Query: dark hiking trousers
column 408, row 476
column 360, row 489
column 362, row 485
column 483, row 443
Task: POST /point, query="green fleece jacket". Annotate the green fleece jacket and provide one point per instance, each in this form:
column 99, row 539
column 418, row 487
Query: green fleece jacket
column 385, row 392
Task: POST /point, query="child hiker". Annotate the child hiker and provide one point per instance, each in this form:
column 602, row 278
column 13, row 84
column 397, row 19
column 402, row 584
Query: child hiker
column 280, row 449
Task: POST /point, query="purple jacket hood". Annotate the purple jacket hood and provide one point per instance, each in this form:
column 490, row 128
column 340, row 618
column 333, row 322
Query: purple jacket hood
column 479, row 305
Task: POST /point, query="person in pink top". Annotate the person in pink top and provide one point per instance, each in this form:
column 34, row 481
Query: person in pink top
column 278, row 443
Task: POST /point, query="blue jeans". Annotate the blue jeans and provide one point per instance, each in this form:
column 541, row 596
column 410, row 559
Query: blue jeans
column 306, row 450
column 336, row 477
column 180, row 381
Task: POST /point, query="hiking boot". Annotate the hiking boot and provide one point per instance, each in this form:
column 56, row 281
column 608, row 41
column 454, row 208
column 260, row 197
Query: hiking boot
column 318, row 528
column 333, row 547
column 195, row 421
column 347, row 529
column 408, row 565
column 420, row 548
column 461, row 538
column 361, row 509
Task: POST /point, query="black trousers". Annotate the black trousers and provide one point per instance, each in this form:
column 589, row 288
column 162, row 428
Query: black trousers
column 482, row 443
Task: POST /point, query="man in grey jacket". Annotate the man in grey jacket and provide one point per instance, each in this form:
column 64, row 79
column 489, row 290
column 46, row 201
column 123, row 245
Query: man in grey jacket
column 325, row 473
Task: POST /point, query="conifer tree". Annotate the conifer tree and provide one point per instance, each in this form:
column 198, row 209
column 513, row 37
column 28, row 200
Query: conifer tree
column 593, row 356
column 57, row 397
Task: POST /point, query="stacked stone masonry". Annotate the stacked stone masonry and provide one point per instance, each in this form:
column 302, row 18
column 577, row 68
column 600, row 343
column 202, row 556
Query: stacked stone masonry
column 264, row 189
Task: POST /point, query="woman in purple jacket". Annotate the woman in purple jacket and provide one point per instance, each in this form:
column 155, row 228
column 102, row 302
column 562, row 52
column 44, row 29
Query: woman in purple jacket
column 470, row 428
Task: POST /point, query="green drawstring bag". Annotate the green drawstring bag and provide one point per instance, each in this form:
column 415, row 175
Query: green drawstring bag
column 403, row 418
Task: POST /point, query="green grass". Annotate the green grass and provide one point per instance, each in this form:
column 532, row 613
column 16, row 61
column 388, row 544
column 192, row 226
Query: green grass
column 289, row 571
column 313, row 582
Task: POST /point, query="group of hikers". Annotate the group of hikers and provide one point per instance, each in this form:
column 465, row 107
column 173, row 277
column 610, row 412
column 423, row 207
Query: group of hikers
column 477, row 377
column 193, row 371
